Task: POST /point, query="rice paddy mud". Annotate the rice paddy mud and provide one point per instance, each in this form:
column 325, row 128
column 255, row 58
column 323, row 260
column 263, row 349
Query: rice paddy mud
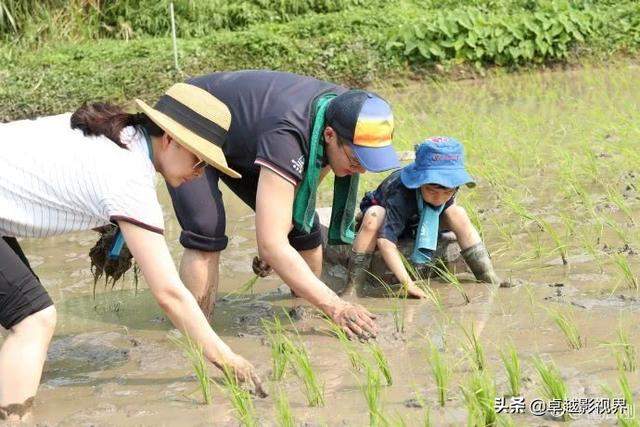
column 558, row 168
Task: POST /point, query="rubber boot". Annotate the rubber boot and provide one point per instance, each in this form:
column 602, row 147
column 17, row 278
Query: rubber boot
column 477, row 258
column 357, row 273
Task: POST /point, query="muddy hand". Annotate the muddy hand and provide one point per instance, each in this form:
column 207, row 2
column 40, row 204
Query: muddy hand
column 244, row 372
column 261, row 268
column 414, row 291
column 356, row 321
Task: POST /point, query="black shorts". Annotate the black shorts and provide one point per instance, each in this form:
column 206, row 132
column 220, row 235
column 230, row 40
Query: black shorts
column 21, row 293
column 200, row 211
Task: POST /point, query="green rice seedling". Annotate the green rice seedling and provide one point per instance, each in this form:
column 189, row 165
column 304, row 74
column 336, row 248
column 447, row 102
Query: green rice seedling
column 397, row 303
column 626, row 354
column 441, row 372
column 423, row 283
column 553, row 386
column 450, row 278
column 381, row 362
column 284, row 415
column 371, row 390
column 480, row 395
column 561, row 247
column 628, row 276
column 621, row 232
column 567, row 325
column 240, row 399
column 474, row 349
column 426, row 421
column 628, row 418
column 614, row 196
column 505, row 421
column 194, row 353
column 247, row 286
column 313, row 389
column 280, row 347
column 397, row 421
column 355, row 358
column 511, row 363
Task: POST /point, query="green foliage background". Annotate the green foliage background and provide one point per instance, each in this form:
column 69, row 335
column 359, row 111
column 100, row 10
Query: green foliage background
column 56, row 54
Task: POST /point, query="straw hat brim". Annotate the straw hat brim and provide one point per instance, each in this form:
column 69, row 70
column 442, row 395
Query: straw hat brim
column 204, row 149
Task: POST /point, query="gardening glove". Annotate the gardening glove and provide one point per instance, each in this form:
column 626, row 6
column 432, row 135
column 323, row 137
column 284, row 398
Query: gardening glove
column 355, row 320
column 261, row 268
column 244, row 372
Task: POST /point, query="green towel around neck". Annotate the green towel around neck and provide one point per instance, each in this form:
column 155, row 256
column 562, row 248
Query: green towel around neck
column 345, row 189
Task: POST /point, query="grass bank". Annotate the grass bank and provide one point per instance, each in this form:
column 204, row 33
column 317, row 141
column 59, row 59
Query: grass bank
column 345, row 41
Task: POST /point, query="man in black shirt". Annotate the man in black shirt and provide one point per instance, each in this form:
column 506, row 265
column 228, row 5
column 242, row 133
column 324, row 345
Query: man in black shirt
column 267, row 149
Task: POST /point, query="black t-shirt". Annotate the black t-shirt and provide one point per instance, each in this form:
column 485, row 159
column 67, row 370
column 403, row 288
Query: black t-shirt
column 270, row 119
column 401, row 216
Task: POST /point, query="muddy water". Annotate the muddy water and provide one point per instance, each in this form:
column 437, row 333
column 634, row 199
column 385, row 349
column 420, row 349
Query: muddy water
column 111, row 363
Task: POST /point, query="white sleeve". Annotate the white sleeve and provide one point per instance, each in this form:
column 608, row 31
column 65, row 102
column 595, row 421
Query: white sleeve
column 133, row 199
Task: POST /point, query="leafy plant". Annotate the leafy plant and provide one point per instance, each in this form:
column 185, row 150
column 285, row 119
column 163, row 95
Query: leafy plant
column 511, row 363
column 284, row 414
column 442, row 271
column 194, row 353
column 313, row 389
column 567, row 325
column 280, row 346
column 480, row 395
column 626, row 352
column 371, row 390
column 240, row 399
column 381, row 362
column 629, row 277
column 474, row 348
column 441, row 372
column 355, row 358
column 553, row 386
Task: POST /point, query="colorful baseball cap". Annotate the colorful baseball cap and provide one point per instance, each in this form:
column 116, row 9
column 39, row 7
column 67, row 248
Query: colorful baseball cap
column 365, row 120
column 439, row 160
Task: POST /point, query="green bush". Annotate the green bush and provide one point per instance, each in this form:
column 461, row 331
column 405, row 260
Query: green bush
column 352, row 46
column 38, row 20
column 469, row 35
column 549, row 32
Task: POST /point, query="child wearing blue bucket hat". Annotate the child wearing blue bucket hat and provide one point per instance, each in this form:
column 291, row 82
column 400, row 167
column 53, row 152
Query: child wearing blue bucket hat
column 417, row 201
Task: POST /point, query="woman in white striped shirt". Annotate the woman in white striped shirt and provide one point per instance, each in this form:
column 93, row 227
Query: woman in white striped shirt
column 93, row 168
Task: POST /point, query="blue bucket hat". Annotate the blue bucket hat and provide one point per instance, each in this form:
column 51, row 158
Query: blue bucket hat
column 439, row 160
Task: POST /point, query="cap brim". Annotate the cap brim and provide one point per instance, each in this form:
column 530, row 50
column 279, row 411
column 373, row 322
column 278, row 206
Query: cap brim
column 450, row 178
column 378, row 159
column 205, row 150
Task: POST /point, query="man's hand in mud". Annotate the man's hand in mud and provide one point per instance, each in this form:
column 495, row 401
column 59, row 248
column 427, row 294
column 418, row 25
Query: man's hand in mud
column 261, row 268
column 244, row 372
column 355, row 320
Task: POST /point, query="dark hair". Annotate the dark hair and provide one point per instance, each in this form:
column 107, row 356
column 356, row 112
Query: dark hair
column 101, row 118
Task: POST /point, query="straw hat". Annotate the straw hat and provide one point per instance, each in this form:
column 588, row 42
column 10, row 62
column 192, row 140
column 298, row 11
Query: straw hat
column 197, row 120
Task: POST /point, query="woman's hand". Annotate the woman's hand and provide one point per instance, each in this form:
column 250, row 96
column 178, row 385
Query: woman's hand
column 243, row 371
column 355, row 320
